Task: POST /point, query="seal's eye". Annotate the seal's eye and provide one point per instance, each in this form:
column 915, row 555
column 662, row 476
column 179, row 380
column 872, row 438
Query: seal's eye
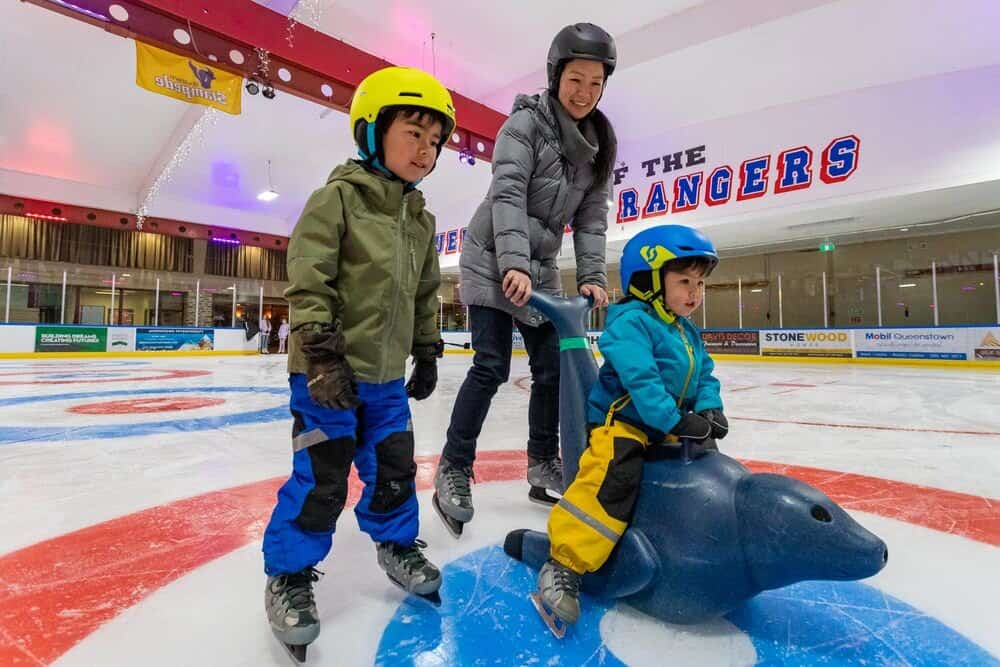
column 821, row 514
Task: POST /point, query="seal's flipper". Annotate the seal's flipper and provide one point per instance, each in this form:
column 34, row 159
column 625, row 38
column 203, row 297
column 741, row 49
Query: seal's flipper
column 633, row 566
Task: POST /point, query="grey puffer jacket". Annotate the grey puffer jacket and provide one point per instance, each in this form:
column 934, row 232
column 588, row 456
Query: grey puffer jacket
column 543, row 179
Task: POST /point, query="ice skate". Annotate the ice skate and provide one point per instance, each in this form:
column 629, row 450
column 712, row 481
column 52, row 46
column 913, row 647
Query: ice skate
column 291, row 610
column 557, row 599
column 545, row 475
column 408, row 568
column 452, row 496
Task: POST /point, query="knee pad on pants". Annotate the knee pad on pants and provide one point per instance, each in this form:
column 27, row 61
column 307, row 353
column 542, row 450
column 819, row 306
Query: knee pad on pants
column 395, row 472
column 331, row 464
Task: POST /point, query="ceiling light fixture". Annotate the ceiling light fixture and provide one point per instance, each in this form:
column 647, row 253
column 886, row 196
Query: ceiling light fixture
column 908, row 285
column 252, row 86
column 270, row 194
column 465, row 156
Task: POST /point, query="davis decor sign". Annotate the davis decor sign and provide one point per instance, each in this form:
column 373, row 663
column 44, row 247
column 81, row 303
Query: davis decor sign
column 788, row 170
column 733, row 341
column 805, row 343
column 938, row 343
column 71, row 339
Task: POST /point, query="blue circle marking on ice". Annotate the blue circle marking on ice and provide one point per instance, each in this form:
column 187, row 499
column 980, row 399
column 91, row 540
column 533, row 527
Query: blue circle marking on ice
column 15, row 434
column 487, row 618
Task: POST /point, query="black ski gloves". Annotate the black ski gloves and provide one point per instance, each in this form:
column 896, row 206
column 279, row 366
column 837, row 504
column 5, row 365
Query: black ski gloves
column 424, row 378
column 720, row 425
column 331, row 378
column 693, row 427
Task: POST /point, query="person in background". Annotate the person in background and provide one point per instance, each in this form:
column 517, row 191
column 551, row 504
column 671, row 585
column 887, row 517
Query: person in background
column 265, row 334
column 283, row 335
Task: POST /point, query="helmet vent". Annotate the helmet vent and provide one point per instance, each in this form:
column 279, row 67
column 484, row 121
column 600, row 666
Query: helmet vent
column 405, row 94
column 686, row 248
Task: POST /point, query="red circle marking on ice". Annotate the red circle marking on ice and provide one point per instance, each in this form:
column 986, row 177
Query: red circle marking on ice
column 163, row 374
column 146, row 405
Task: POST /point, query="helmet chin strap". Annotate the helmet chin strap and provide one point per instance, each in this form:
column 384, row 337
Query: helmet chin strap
column 654, row 298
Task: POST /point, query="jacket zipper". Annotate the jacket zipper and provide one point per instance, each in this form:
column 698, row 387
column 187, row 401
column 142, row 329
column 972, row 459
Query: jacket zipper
column 690, row 353
column 397, row 293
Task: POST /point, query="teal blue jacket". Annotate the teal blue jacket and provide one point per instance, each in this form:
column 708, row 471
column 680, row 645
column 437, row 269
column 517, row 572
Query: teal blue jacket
column 659, row 365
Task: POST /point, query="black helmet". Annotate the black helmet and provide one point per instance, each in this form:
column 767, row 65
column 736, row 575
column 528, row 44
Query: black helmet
column 581, row 40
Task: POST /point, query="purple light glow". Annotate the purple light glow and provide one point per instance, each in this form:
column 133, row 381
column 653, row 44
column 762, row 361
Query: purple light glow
column 217, row 239
column 67, row 5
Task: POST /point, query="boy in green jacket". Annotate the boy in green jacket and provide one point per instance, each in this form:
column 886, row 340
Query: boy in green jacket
column 363, row 268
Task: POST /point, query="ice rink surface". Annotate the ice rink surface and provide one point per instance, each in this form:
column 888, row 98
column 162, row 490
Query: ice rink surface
column 135, row 493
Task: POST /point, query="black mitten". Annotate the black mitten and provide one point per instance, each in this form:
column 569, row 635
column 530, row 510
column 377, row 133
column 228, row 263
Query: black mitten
column 693, row 427
column 720, row 425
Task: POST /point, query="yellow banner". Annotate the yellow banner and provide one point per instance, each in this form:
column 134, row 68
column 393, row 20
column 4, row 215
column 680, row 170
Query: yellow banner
column 187, row 80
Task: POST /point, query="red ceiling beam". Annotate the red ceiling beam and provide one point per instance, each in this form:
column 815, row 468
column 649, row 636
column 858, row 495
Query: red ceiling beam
column 37, row 209
column 301, row 61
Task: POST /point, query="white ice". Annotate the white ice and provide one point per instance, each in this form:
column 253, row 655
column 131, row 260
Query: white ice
column 938, row 427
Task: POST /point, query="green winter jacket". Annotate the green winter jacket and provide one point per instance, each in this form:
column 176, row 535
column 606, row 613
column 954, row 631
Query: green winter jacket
column 363, row 254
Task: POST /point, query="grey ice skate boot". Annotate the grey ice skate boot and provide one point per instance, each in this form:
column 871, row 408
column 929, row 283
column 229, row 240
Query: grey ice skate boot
column 545, row 475
column 558, row 597
column 452, row 496
column 291, row 610
column 408, row 568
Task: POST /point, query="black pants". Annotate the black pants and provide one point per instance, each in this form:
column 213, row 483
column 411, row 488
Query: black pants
column 491, row 339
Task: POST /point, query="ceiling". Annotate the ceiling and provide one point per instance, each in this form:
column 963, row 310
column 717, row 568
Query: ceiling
column 75, row 128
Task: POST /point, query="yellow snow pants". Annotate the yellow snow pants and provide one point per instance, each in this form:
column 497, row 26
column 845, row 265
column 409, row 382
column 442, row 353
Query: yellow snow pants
column 592, row 515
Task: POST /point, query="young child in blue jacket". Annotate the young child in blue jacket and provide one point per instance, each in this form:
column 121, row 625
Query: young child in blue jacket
column 656, row 385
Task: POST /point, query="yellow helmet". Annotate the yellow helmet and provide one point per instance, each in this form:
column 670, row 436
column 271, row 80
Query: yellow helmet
column 394, row 87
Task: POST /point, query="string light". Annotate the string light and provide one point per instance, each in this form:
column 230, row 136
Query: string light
column 309, row 12
column 194, row 138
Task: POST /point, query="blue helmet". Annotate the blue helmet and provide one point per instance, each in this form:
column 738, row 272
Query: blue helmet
column 649, row 250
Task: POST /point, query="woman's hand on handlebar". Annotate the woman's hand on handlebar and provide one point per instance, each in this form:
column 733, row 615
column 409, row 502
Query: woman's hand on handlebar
column 517, row 287
column 595, row 292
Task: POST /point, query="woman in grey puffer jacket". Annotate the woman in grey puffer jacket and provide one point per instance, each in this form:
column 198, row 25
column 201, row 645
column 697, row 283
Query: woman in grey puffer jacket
column 552, row 164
